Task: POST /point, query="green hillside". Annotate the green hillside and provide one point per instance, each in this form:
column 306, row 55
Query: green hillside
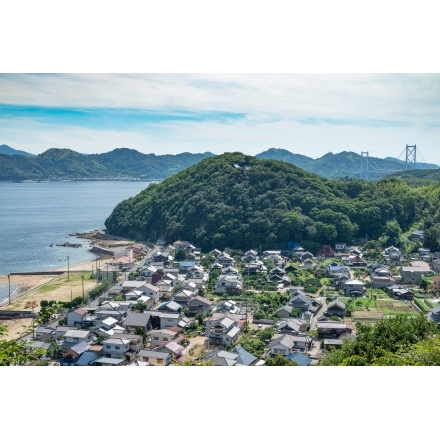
column 242, row 202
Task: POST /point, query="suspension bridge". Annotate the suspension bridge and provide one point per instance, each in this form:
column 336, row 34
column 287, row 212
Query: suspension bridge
column 407, row 160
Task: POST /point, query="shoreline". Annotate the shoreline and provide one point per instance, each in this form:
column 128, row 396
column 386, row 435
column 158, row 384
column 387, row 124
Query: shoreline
column 25, row 283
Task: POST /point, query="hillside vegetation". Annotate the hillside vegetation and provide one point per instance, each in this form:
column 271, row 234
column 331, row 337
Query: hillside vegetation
column 62, row 163
column 242, row 202
column 126, row 163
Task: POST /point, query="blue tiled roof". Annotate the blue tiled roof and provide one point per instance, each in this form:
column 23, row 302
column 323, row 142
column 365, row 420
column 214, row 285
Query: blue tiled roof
column 301, row 359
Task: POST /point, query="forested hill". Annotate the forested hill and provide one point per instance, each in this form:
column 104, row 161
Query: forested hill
column 121, row 163
column 242, row 202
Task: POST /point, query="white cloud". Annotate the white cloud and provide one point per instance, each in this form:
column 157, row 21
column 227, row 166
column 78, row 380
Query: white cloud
column 309, row 114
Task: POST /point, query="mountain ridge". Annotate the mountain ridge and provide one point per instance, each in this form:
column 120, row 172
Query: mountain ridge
column 127, row 163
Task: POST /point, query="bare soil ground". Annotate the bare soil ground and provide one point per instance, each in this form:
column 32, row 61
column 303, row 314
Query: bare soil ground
column 34, row 288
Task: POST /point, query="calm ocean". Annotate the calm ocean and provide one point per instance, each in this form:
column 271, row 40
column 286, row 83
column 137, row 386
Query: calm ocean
column 36, row 215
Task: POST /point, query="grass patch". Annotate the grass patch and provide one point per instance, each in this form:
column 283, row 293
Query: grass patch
column 75, row 280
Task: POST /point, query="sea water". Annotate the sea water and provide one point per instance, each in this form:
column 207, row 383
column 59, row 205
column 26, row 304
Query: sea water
column 37, row 217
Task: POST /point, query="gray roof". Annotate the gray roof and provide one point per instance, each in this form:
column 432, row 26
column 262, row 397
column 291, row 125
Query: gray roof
column 109, row 361
column 81, row 347
column 245, row 357
column 336, row 303
column 137, row 319
column 77, row 333
column 331, row 325
column 286, row 340
column 154, row 353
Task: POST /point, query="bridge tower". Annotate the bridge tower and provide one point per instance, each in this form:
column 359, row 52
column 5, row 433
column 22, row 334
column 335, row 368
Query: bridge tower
column 410, row 155
column 364, row 165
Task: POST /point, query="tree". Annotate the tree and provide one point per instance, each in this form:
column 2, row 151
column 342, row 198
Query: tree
column 423, row 284
column 279, row 361
column 180, row 255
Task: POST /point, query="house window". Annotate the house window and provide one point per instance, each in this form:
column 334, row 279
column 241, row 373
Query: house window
column 156, row 338
column 160, row 361
column 108, row 347
column 117, row 348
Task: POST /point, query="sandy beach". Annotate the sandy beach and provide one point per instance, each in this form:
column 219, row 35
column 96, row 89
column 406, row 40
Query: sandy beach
column 56, row 287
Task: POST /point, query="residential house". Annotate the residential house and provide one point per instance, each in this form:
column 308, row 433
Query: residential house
column 391, row 255
column 128, row 285
column 104, row 361
column 176, row 350
column 165, row 287
column 381, row 277
column 183, row 296
column 283, row 311
column 228, row 306
column 281, row 344
column 293, row 326
column 300, row 359
column 417, row 235
column 155, row 358
column 254, row 267
column 87, row 358
column 135, row 321
column 339, row 280
column 162, row 257
column 425, row 254
column 161, row 320
column 354, row 288
column 305, row 256
column 76, row 317
column 335, row 308
column 307, row 264
column 162, row 336
column 73, row 337
column 151, row 291
column 332, row 329
column 43, row 333
column 332, row 343
column 199, row 304
column 184, row 246
column 400, row 292
column 186, row 265
column 75, row 351
column 326, row 251
column 334, row 268
column 236, row 357
column 229, row 284
column 225, row 259
column 148, row 272
column 340, row 247
column 222, row 330
column 413, row 274
column 250, row 256
column 170, row 307
column 304, row 303
column 116, row 347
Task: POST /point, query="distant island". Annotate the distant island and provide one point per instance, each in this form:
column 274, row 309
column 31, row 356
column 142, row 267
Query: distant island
column 130, row 164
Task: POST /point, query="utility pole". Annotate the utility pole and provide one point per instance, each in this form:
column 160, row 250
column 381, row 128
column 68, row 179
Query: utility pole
column 82, row 281
column 9, row 282
column 68, row 272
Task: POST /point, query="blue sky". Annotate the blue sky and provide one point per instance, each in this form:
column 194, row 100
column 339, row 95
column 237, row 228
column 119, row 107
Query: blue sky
column 309, row 114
